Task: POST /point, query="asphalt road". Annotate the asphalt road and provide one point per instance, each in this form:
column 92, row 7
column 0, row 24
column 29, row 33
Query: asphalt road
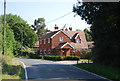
column 42, row 70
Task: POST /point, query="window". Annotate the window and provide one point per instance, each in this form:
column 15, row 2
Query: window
column 40, row 41
column 78, row 41
column 44, row 51
column 40, row 51
column 49, row 51
column 61, row 39
column 48, row 40
column 44, row 41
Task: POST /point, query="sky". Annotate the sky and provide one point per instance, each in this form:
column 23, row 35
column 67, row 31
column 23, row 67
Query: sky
column 50, row 10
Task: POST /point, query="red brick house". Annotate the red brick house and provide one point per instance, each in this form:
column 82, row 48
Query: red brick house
column 62, row 42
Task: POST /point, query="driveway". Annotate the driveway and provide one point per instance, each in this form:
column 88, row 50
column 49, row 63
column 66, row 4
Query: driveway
column 39, row 70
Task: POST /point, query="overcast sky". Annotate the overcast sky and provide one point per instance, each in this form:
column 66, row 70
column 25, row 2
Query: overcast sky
column 30, row 10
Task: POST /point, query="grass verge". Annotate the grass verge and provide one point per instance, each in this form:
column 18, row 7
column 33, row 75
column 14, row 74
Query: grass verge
column 11, row 69
column 105, row 71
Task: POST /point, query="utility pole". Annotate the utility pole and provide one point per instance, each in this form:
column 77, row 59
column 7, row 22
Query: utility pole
column 4, row 48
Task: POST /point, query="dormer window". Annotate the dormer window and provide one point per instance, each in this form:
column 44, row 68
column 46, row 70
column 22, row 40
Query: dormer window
column 61, row 39
column 78, row 41
column 48, row 40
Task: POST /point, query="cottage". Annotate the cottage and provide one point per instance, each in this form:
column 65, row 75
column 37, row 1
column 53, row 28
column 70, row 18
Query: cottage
column 62, row 42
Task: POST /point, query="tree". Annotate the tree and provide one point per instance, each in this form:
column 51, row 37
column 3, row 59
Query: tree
column 24, row 34
column 39, row 27
column 104, row 20
column 88, row 34
column 10, row 41
column 12, row 19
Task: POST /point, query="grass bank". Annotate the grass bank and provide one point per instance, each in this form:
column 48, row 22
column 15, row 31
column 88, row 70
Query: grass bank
column 11, row 69
column 105, row 71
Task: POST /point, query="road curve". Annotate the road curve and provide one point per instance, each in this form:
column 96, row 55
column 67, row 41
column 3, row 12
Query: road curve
column 39, row 70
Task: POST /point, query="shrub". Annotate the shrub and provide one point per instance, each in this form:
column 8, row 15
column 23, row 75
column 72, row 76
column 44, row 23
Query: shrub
column 71, row 58
column 55, row 58
column 86, row 55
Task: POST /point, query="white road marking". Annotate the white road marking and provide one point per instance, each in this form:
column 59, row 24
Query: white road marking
column 26, row 75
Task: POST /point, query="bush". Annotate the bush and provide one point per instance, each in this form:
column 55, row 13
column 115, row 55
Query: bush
column 71, row 58
column 86, row 55
column 54, row 58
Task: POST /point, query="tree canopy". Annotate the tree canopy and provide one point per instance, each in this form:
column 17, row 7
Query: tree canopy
column 39, row 27
column 18, row 33
column 104, row 19
column 88, row 34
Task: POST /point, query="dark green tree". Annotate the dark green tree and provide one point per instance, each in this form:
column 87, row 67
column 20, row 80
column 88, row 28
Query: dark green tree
column 12, row 19
column 39, row 27
column 104, row 20
column 24, row 34
column 88, row 34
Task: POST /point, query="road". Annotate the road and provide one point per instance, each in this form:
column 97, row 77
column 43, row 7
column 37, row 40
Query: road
column 39, row 70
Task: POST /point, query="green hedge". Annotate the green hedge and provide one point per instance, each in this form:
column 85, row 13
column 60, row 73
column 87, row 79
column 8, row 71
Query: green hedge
column 55, row 58
column 71, row 58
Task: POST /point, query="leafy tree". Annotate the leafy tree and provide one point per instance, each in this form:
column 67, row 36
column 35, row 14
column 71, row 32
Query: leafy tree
column 104, row 20
column 88, row 34
column 12, row 19
column 25, row 34
column 39, row 27
column 10, row 41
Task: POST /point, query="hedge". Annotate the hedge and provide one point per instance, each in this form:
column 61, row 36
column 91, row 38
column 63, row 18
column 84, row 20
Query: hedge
column 71, row 58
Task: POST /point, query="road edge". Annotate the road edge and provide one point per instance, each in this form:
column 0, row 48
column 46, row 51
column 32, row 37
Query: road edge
column 26, row 75
column 91, row 73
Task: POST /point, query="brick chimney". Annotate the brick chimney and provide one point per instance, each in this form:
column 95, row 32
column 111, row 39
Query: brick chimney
column 70, row 28
column 56, row 27
column 66, row 29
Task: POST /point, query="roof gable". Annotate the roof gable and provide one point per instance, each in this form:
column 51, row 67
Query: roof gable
column 59, row 32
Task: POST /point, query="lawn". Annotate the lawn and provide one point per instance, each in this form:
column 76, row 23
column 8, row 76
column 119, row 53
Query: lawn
column 105, row 71
column 12, row 69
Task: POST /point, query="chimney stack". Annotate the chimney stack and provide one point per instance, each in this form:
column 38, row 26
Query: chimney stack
column 56, row 27
column 70, row 28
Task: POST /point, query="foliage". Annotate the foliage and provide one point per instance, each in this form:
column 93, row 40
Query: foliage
column 86, row 55
column 10, row 41
column 51, row 57
column 12, row 19
column 24, row 34
column 105, row 71
column 104, row 20
column 39, row 27
column 88, row 34
column 11, row 68
column 71, row 58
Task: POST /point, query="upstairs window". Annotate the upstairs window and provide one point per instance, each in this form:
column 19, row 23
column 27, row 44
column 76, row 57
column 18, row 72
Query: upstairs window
column 78, row 41
column 44, row 41
column 48, row 40
column 61, row 39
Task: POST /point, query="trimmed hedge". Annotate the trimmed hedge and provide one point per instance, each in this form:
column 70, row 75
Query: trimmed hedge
column 55, row 58
column 71, row 58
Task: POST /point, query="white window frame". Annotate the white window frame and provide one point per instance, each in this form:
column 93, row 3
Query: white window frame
column 49, row 51
column 78, row 41
column 44, row 41
column 40, row 51
column 60, row 38
column 44, row 51
column 48, row 40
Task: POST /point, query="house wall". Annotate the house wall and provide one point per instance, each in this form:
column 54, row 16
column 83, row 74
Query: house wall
column 55, row 40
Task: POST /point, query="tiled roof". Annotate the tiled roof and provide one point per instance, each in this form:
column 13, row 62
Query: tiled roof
column 48, row 35
column 79, row 45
